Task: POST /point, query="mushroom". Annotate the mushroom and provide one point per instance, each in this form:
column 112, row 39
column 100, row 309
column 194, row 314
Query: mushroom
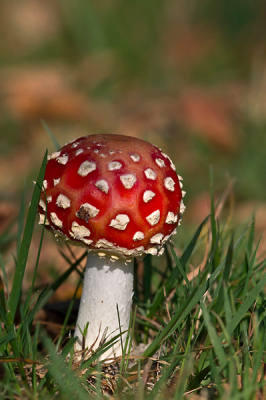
column 120, row 198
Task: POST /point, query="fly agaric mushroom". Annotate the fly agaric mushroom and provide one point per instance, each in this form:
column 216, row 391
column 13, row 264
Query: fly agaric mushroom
column 121, row 198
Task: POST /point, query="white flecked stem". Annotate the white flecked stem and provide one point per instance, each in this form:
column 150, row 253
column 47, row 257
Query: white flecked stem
column 106, row 284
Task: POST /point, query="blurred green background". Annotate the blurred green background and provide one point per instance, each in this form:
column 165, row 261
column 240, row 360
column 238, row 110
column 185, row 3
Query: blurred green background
column 188, row 76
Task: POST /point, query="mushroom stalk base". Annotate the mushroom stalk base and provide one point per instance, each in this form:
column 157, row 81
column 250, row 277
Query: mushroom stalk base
column 107, row 286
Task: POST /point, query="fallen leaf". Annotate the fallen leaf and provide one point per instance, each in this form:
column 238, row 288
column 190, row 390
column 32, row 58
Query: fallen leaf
column 43, row 92
column 211, row 117
column 184, row 45
column 26, row 25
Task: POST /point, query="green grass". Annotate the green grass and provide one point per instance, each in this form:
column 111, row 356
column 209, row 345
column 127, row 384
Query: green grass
column 206, row 333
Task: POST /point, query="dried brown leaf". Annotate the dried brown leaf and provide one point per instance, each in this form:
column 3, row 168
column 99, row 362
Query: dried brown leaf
column 211, row 117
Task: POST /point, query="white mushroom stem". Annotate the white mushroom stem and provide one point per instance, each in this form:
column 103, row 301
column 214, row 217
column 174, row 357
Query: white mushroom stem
column 107, row 286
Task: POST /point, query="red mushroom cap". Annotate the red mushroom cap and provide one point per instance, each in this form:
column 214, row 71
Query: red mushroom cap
column 113, row 194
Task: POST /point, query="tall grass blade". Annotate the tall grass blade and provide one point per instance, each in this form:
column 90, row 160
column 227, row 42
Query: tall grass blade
column 219, row 295
column 227, row 309
column 6, row 338
column 251, row 298
column 215, row 236
column 21, row 222
column 183, row 377
column 4, row 277
column 61, row 376
column 215, row 340
column 159, row 297
column 161, row 383
column 191, row 246
column 250, row 268
column 181, row 269
column 51, row 135
column 25, row 244
column 251, row 237
column 30, row 291
column 49, row 291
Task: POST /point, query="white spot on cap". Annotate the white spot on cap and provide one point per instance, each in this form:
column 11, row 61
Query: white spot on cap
column 153, row 218
column 56, row 181
column 86, row 167
column 62, row 160
column 169, row 183
column 104, row 244
column 53, row 155
column 42, row 219
column 161, row 251
column 74, row 145
column 79, row 151
column 148, row 196
column 135, row 157
column 128, row 180
column 183, row 193
column 150, row 174
column 44, row 184
column 153, row 251
column 49, row 199
column 111, row 151
column 138, row 236
column 171, row 218
column 156, row 238
column 96, row 151
column 80, row 232
column 102, row 185
column 160, row 162
column 114, row 165
column 42, row 204
column 180, row 177
column 63, row 201
column 166, row 238
column 88, row 209
column 71, row 141
column 172, row 165
column 114, row 250
column 182, row 207
column 55, row 220
column 120, row 222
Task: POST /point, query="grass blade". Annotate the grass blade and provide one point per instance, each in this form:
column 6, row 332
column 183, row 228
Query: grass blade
column 159, row 298
column 51, row 135
column 251, row 298
column 250, row 268
column 25, row 245
column 21, row 222
column 188, row 305
column 215, row 340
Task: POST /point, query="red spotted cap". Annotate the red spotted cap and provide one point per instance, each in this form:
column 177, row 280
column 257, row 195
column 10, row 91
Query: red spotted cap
column 116, row 195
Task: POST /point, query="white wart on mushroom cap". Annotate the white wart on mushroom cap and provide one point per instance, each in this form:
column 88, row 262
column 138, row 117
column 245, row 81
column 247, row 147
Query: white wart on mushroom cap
column 113, row 194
